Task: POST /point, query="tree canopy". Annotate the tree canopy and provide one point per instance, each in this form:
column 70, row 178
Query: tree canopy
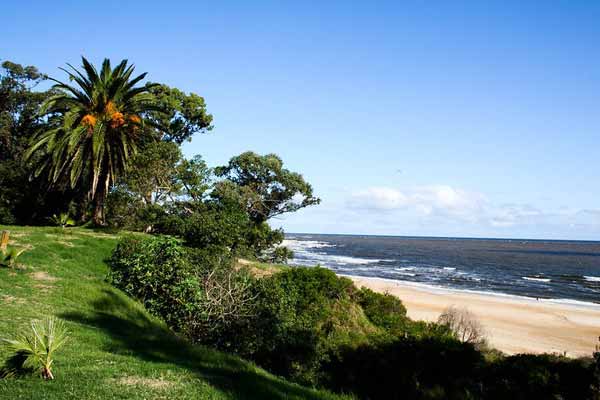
column 178, row 116
column 263, row 186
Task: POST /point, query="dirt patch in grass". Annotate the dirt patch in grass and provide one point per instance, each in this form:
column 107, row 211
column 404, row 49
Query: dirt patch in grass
column 12, row 299
column 43, row 288
column 153, row 383
column 97, row 235
column 18, row 234
column 14, row 243
column 65, row 243
column 42, row 276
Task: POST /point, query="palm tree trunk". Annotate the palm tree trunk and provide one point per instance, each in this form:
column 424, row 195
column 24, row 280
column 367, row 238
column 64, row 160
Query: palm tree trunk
column 99, row 201
column 98, row 217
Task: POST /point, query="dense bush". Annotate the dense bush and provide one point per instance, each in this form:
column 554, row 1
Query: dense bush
column 222, row 225
column 304, row 315
column 444, row 368
column 197, row 293
column 410, row 368
column 542, row 376
column 221, row 228
column 383, row 310
column 156, row 272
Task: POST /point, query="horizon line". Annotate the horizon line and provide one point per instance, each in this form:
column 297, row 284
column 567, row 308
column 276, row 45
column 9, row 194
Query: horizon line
column 445, row 237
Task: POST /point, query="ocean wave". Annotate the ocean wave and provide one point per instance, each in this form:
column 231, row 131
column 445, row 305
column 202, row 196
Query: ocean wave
column 531, row 278
column 305, row 244
column 403, row 273
column 329, row 260
column 592, row 278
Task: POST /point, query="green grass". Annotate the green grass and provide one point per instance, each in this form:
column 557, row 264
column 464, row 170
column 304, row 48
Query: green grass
column 116, row 349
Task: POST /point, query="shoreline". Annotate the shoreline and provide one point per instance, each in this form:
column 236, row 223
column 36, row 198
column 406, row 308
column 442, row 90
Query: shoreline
column 448, row 290
column 512, row 323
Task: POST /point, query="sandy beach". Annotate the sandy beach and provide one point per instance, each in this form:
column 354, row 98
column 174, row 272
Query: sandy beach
column 512, row 324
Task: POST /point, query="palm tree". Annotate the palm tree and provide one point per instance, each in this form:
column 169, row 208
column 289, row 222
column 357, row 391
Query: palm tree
column 36, row 349
column 97, row 128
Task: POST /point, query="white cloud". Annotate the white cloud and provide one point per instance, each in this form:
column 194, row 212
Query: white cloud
column 446, row 204
column 432, row 200
column 509, row 215
column 380, row 198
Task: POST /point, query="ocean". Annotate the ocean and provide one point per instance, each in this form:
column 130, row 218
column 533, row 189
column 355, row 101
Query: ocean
column 567, row 271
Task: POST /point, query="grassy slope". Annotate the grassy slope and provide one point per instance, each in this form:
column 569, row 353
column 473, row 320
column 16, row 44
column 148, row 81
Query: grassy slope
column 116, row 349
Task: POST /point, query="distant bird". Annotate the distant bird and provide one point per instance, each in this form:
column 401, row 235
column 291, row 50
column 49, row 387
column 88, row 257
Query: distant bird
column 399, row 171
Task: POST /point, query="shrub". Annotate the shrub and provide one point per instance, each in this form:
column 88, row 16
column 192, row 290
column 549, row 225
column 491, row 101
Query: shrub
column 304, row 315
column 544, row 376
column 263, row 241
column 227, row 302
column 208, row 225
column 154, row 270
column 197, row 292
column 406, row 368
column 35, row 350
column 383, row 310
column 463, row 324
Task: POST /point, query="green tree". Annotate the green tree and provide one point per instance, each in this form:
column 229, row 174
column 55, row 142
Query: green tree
column 193, row 178
column 98, row 130
column 19, row 106
column 19, row 120
column 152, row 170
column 263, row 186
column 159, row 174
column 178, row 115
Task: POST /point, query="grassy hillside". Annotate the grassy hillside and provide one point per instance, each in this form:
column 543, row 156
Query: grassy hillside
column 116, row 349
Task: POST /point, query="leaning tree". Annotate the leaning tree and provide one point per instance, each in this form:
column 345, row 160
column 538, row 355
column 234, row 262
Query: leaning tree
column 97, row 127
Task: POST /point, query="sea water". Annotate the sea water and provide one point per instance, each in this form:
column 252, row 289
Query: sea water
column 567, row 271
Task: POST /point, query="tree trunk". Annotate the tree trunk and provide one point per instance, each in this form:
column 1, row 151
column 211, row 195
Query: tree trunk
column 99, row 200
column 98, row 217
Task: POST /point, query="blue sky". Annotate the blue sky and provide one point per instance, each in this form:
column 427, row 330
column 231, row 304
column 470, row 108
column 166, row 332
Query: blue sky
column 409, row 118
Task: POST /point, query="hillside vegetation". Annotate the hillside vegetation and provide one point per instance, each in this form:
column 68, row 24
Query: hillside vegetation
column 116, row 349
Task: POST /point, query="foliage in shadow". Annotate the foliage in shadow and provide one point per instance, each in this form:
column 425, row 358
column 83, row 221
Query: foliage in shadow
column 432, row 368
column 435, row 368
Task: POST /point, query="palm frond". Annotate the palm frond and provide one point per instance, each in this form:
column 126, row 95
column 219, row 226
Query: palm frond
column 39, row 345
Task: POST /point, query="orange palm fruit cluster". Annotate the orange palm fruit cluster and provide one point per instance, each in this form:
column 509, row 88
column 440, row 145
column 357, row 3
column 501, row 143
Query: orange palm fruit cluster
column 116, row 120
column 89, row 121
column 110, row 108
